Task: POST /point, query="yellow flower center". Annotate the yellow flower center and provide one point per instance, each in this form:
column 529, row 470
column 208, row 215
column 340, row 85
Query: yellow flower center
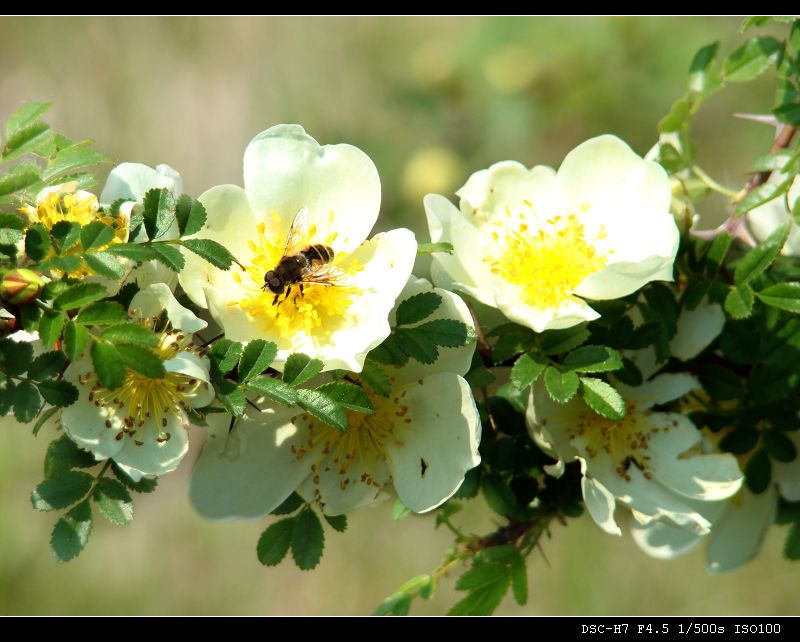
column 550, row 262
column 361, row 447
column 314, row 304
column 142, row 399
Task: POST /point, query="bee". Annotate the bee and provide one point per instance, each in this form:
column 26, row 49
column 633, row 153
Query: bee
column 299, row 264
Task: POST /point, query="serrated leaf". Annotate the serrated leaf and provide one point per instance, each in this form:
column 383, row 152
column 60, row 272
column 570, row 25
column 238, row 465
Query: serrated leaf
column 275, row 541
column 71, row 159
column 593, row 359
column 698, row 70
column 64, row 455
column 418, row 307
column 66, row 235
column 144, row 485
column 482, row 601
column 71, row 532
column 560, row 341
column 323, row 408
column 417, row 344
column 561, row 386
column 348, row 395
column 140, row 252
column 8, row 238
column 389, row 353
column 159, row 212
column 75, row 339
column 50, row 328
column 141, row 359
column 108, row 365
column 232, row 397
column 498, row 495
column 739, row 301
column 527, row 369
column 13, row 221
column 337, row 522
column 751, row 59
column 785, row 296
column 779, row 446
column 80, row 295
column 257, row 355
column 26, row 402
column 677, row 116
column 447, row 333
column 299, row 368
column 758, row 471
column 375, row 378
column 308, row 540
column 519, row 580
column 211, row 251
column 772, row 162
column 762, row 194
column 224, row 355
column 511, row 339
column 168, row 255
column 18, row 178
column 130, row 333
column 191, row 216
column 37, row 242
column 47, row 365
column 757, row 260
column 482, row 575
column 105, row 264
column 96, row 234
column 430, row 248
column 602, row 398
column 25, row 116
column 273, row 389
column 17, row 356
column 289, row 505
column 102, row 313
column 63, row 489
column 114, row 501
column 28, row 140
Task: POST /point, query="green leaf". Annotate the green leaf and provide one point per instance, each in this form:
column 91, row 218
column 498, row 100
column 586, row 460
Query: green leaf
column 447, row 333
column 25, row 116
column 519, row 579
column 273, row 389
column 144, row 485
column 757, row 260
column 788, row 113
column 108, row 365
column 299, row 368
column 791, row 547
column 758, row 472
column 224, row 356
column 719, row 382
column 762, row 194
column 430, row 248
column 717, row 252
column 602, row 398
column 593, row 359
column 64, row 455
column 211, row 251
column 323, row 408
column 399, row 510
column 50, row 328
column 141, row 359
column 677, row 116
column 417, row 344
column 308, row 540
column 26, row 402
column 169, row 255
column 482, row 575
column 418, row 307
column 18, row 178
column 59, row 393
column 389, row 353
column 779, row 446
column 701, row 63
column 772, row 162
column 375, row 378
column 7, row 390
column 71, row 159
column 42, row 420
column 785, row 296
column 13, row 221
column 37, row 242
column 75, row 339
column 71, row 532
column 751, row 59
column 560, row 341
column 80, row 295
column 140, row 252
column 66, row 235
column 561, row 386
column 483, row 601
column 498, row 495
column 337, row 522
column 289, row 505
column 275, row 541
column 739, row 302
column 114, row 501
column 28, row 140
column 257, row 355
column 130, row 333
column 96, row 234
column 527, row 369
column 232, row 397
column 102, row 313
column 191, row 216
column 47, row 365
column 17, row 356
column 62, row 490
column 511, row 339
column 10, row 237
column 159, row 212
column 348, row 395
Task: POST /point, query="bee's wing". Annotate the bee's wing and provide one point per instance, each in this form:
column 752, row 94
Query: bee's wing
column 298, row 232
column 323, row 274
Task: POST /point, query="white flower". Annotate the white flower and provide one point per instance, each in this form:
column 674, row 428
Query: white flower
column 536, row 243
column 422, row 439
column 142, row 425
column 765, row 219
column 286, row 171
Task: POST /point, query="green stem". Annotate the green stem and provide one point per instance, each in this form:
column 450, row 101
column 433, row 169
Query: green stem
column 711, row 183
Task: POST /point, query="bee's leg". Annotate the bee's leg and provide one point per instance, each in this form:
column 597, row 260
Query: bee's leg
column 275, row 300
column 301, row 288
column 288, row 292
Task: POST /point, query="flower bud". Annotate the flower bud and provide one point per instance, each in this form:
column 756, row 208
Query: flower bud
column 21, row 286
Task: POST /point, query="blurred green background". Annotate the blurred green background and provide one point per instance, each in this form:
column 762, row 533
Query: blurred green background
column 430, row 100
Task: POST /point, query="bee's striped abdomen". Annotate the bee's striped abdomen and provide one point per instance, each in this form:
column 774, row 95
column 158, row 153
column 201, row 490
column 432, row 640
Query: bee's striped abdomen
column 318, row 252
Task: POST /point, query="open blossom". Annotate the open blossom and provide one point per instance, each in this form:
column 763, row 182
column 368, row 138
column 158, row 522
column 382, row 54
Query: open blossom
column 766, row 218
column 537, row 244
column 142, row 425
column 421, row 440
column 341, row 313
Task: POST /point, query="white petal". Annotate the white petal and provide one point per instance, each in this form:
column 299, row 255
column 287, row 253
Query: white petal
column 196, row 367
column 152, row 300
column 664, row 541
column 739, row 533
column 231, row 223
column 431, row 454
column 600, row 503
column 151, row 272
column 131, row 180
column 551, row 424
column 696, row 330
column 285, row 170
column 765, row 219
column 150, row 457
column 248, row 472
column 661, row 389
column 463, row 270
column 569, row 313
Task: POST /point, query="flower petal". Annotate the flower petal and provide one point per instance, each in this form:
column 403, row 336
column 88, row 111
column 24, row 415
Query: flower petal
column 197, row 367
column 431, row 454
column 130, row 181
column 664, row 541
column 659, row 390
column 569, row 313
column 599, row 502
column 143, row 455
column 696, row 330
column 765, row 219
column 152, row 300
column 285, row 170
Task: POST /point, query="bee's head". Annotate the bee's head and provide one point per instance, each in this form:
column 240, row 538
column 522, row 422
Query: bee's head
column 273, row 283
